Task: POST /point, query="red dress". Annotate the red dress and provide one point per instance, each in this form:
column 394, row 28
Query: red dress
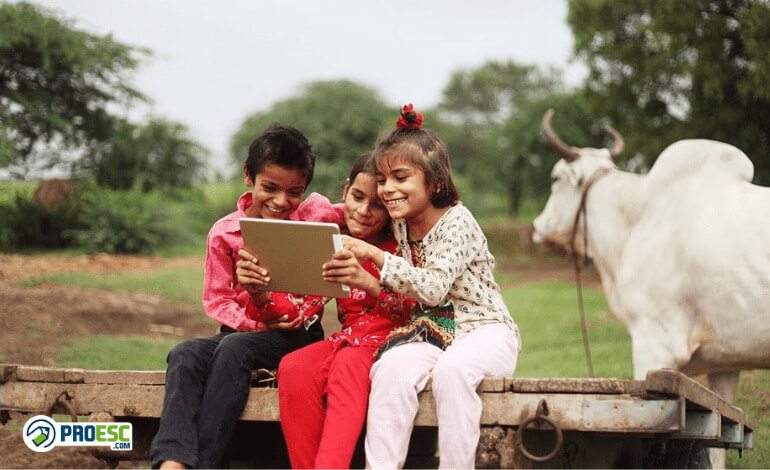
column 338, row 369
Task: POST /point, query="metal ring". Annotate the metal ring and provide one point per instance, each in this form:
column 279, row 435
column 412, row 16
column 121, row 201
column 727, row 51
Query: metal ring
column 63, row 400
column 528, row 454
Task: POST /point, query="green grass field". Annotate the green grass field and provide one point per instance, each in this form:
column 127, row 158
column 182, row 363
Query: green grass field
column 105, row 352
column 546, row 313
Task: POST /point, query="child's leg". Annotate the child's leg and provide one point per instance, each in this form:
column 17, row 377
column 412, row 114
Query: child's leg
column 347, row 394
column 177, row 437
column 397, row 377
column 489, row 350
column 302, row 377
column 229, row 380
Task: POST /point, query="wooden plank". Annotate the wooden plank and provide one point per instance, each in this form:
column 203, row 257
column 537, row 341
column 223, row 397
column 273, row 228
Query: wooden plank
column 7, row 372
column 575, row 385
column 673, row 383
column 137, row 377
column 588, row 412
column 117, row 399
column 596, row 413
column 47, row 374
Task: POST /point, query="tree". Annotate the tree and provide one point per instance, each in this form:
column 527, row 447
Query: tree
column 158, row 154
column 341, row 119
column 494, row 91
column 57, row 84
column 664, row 71
column 476, row 103
column 528, row 168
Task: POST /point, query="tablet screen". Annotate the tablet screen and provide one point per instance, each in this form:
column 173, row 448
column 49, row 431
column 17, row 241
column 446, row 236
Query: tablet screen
column 294, row 252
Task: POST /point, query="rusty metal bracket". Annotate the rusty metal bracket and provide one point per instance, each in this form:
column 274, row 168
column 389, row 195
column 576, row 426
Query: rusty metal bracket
column 64, row 400
column 541, row 417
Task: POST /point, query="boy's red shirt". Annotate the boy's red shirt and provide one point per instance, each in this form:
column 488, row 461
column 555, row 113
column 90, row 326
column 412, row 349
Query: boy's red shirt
column 224, row 299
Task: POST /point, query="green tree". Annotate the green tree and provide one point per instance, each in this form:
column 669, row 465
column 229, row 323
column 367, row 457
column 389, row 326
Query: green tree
column 475, row 104
column 56, row 85
column 158, row 154
column 528, row 168
column 340, row 118
column 664, row 71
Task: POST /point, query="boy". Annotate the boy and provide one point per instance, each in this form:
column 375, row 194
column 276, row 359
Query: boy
column 208, row 379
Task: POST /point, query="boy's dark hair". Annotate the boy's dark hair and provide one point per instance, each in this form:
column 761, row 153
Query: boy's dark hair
column 423, row 148
column 284, row 146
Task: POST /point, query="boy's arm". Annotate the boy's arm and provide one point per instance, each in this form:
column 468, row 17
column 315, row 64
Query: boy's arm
column 318, row 208
column 221, row 300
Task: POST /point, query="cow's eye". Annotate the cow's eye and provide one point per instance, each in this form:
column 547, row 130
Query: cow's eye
column 554, row 179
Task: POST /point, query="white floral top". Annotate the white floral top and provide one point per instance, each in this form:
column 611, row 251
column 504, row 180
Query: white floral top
column 457, row 270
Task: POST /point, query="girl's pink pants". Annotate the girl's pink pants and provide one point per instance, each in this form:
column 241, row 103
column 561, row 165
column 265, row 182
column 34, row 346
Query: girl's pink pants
column 402, row 372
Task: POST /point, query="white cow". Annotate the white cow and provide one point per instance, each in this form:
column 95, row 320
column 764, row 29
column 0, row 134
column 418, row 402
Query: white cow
column 683, row 252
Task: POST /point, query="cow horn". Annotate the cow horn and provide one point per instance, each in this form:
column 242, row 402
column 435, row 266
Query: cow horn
column 567, row 152
column 618, row 145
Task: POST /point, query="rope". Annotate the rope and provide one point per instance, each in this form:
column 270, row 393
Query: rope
column 578, row 268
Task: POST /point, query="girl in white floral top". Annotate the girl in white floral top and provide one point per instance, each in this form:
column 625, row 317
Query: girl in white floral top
column 463, row 331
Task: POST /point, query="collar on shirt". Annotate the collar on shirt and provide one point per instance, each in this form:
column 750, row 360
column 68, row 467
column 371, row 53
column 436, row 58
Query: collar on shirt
column 231, row 222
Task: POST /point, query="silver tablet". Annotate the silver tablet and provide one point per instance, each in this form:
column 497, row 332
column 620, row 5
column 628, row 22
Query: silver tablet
column 294, row 252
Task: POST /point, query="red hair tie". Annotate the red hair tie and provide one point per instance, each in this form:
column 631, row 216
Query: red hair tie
column 409, row 119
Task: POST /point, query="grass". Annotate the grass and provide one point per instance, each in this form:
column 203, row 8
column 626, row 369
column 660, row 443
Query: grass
column 106, row 352
column 754, row 399
column 548, row 318
column 177, row 285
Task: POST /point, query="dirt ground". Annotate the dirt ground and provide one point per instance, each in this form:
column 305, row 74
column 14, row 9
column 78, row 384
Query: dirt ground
column 35, row 320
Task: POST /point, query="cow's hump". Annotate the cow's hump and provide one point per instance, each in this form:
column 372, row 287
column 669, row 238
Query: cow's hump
column 717, row 163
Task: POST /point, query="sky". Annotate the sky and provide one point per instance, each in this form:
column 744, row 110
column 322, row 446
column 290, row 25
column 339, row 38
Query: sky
column 216, row 62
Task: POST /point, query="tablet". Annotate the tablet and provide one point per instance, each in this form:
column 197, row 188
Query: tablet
column 294, row 252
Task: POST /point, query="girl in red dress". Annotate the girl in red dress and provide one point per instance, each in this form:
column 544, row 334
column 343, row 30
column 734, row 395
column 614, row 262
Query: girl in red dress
column 324, row 388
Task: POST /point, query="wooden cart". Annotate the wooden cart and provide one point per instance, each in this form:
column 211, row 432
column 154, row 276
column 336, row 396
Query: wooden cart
column 664, row 421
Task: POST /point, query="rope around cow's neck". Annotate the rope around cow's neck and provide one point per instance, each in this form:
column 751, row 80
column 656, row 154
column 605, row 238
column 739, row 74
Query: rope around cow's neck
column 577, row 262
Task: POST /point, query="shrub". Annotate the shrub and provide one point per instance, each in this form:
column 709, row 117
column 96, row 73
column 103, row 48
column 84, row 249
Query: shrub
column 25, row 224
column 123, row 221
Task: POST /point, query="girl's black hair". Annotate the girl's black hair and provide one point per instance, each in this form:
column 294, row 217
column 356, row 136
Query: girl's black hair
column 423, row 148
column 284, row 146
column 362, row 164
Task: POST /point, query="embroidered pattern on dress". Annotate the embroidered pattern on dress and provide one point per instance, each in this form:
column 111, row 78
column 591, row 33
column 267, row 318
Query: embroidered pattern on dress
column 435, row 326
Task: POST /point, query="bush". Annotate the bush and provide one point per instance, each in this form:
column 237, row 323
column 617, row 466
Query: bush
column 130, row 221
column 25, row 224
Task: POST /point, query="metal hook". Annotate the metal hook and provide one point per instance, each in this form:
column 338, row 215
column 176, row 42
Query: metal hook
column 541, row 416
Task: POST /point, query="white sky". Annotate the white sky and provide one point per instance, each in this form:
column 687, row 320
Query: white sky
column 217, row 61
